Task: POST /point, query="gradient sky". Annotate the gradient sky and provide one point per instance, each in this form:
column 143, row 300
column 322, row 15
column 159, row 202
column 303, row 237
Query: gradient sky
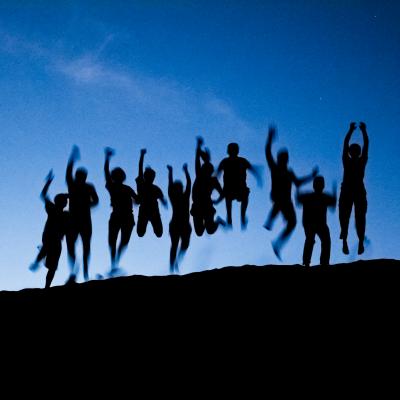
column 147, row 74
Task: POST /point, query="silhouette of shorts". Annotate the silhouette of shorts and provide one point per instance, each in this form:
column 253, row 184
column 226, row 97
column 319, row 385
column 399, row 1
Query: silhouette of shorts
column 200, row 209
column 239, row 194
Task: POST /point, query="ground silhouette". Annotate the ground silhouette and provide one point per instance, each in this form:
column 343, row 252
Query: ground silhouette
column 263, row 291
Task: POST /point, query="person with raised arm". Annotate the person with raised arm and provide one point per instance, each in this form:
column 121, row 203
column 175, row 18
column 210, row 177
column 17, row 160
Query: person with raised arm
column 179, row 227
column 82, row 198
column 149, row 194
column 282, row 179
column 54, row 231
column 205, row 183
column 121, row 220
column 353, row 190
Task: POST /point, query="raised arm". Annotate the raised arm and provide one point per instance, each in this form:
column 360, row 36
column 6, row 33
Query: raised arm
column 347, row 141
column 108, row 154
column 49, row 179
column 75, row 155
column 333, row 196
column 200, row 142
column 141, row 161
column 170, row 180
column 305, row 179
column 363, row 129
column 268, row 146
column 188, row 180
column 255, row 171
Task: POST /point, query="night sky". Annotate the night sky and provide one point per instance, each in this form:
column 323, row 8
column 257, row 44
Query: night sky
column 148, row 74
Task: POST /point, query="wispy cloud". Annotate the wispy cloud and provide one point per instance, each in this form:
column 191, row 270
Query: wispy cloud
column 161, row 96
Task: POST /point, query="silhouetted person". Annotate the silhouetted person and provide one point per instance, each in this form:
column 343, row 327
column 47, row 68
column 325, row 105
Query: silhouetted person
column 235, row 187
column 353, row 189
column 282, row 179
column 148, row 194
column 54, row 231
column 121, row 219
column 82, row 197
column 179, row 227
column 203, row 210
column 315, row 205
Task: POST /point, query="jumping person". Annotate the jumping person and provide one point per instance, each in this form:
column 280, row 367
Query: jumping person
column 82, row 198
column 121, row 219
column 203, row 210
column 353, row 190
column 315, row 205
column 282, row 179
column 234, row 170
column 148, row 194
column 54, row 231
column 179, row 227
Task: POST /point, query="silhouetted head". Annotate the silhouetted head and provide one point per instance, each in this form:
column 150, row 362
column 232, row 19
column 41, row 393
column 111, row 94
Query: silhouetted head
column 207, row 170
column 319, row 184
column 355, row 150
column 61, row 200
column 233, row 149
column 149, row 175
column 118, row 175
column 177, row 187
column 283, row 157
column 81, row 175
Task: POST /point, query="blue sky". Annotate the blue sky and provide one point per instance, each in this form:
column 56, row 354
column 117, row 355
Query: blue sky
column 147, row 74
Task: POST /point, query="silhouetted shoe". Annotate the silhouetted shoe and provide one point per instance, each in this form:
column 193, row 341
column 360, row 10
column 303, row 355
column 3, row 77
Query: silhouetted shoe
column 306, row 264
column 34, row 266
column 277, row 251
column 345, row 247
column 360, row 248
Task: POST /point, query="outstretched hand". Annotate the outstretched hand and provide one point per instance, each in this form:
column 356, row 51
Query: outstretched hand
column 200, row 141
column 315, row 171
column 362, row 126
column 169, row 168
column 75, row 153
column 185, row 167
column 271, row 133
column 109, row 152
column 50, row 176
column 353, row 126
column 143, row 152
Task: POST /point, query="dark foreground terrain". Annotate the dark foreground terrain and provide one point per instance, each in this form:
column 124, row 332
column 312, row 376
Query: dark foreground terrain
column 354, row 289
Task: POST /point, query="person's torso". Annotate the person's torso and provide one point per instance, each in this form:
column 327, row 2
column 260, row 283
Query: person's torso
column 80, row 199
column 202, row 189
column 121, row 198
column 353, row 173
column 315, row 209
column 281, row 184
column 148, row 194
column 180, row 207
column 235, row 172
column 56, row 225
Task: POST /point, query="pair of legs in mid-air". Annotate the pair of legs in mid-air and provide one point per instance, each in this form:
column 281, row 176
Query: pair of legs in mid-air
column 180, row 238
column 152, row 216
column 119, row 224
column 50, row 252
column 79, row 227
column 288, row 212
column 242, row 196
column 204, row 219
column 347, row 200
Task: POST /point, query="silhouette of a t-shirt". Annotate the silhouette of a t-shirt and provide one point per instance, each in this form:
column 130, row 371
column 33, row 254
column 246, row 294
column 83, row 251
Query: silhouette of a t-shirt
column 180, row 206
column 281, row 185
column 80, row 199
column 235, row 172
column 149, row 194
column 354, row 171
column 315, row 206
column 56, row 224
column 203, row 188
column 121, row 197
